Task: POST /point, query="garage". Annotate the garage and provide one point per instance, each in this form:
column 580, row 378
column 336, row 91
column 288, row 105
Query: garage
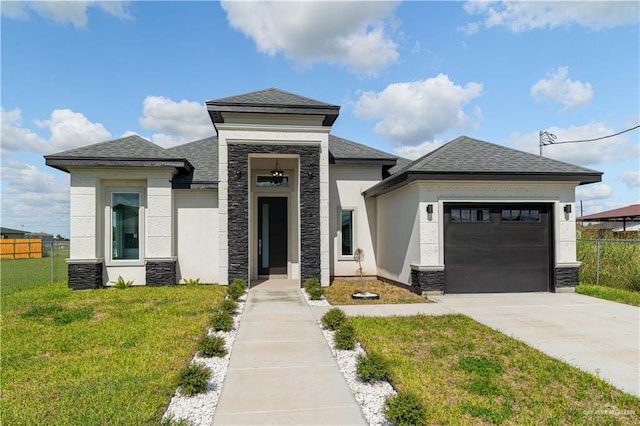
column 495, row 248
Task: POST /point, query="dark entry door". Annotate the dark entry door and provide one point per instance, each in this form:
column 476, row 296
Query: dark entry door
column 272, row 235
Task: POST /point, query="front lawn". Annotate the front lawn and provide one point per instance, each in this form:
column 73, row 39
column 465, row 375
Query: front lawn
column 100, row 356
column 466, row 373
column 609, row 293
column 340, row 291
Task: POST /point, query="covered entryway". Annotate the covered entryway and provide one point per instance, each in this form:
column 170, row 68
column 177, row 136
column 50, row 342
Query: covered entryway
column 272, row 236
column 494, row 248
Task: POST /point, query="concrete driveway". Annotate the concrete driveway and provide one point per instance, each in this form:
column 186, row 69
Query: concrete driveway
column 595, row 335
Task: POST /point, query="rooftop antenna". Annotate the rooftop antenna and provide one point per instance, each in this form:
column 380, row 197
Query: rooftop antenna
column 546, row 138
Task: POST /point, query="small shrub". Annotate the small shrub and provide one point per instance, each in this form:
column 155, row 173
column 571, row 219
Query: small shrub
column 121, row 284
column 193, row 379
column 222, row 321
column 313, row 289
column 229, row 305
column 237, row 288
column 405, row 409
column 310, row 283
column 333, row 318
column 371, row 367
column 74, row 314
column 211, row 346
column 345, row 337
column 192, row 282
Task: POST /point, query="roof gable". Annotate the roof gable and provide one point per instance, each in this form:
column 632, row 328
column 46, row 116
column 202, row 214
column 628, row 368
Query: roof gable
column 130, row 151
column 465, row 158
column 203, row 154
column 271, row 101
column 349, row 152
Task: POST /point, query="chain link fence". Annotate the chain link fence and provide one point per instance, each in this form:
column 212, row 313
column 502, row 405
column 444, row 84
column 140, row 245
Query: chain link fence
column 47, row 266
column 610, row 262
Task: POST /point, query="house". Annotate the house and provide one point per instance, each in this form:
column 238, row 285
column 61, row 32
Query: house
column 628, row 217
column 276, row 194
column 11, row 233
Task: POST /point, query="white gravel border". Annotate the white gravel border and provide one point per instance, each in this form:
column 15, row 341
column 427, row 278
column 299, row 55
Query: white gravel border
column 198, row 409
column 370, row 396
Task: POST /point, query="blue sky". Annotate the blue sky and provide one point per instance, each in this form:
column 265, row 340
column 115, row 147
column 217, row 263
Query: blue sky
column 409, row 76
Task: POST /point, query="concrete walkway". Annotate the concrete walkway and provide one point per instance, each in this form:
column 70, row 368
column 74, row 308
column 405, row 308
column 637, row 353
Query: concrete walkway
column 281, row 369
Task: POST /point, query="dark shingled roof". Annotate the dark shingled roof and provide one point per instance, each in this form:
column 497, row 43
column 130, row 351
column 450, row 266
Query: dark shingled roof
column 203, row 154
column 465, row 158
column 130, row 151
column 271, row 101
column 344, row 151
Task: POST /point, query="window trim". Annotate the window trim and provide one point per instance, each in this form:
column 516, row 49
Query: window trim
column 108, row 222
column 353, row 210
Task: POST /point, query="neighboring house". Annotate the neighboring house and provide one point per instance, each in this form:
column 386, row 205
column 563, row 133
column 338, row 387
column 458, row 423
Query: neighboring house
column 275, row 194
column 11, row 233
column 620, row 220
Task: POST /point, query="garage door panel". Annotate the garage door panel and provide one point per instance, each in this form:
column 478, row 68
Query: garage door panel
column 500, row 254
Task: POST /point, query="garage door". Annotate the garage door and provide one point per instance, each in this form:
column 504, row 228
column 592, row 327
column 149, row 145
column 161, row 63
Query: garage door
column 496, row 248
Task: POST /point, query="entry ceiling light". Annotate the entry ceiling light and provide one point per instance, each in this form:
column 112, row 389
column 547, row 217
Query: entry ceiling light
column 277, row 174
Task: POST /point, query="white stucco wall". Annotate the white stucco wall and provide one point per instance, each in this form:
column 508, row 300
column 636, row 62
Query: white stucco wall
column 408, row 235
column 438, row 193
column 90, row 191
column 346, row 184
column 398, row 233
column 196, row 213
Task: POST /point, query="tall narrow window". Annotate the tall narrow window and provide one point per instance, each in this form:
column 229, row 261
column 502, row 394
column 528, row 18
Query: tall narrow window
column 125, row 225
column 347, row 232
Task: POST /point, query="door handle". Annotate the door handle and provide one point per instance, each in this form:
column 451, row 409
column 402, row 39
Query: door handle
column 260, row 246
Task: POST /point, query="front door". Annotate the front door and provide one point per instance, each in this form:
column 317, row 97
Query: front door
column 272, row 236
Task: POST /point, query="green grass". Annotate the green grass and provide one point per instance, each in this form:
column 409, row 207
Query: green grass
column 22, row 274
column 467, row 373
column 609, row 293
column 619, row 263
column 100, row 356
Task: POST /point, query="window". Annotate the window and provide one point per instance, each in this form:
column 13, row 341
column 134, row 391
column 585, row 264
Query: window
column 519, row 215
column 470, row 215
column 267, row 181
column 346, row 217
column 125, row 225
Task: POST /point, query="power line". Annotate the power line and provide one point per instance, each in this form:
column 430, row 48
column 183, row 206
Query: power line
column 548, row 138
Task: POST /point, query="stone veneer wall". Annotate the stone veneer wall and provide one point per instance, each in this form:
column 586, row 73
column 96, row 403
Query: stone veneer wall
column 566, row 277
column 432, row 281
column 84, row 276
column 238, row 210
column 160, row 272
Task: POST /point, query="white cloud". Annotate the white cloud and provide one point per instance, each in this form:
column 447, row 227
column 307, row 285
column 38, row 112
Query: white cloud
column 348, row 33
column 175, row 122
column 596, row 191
column 35, row 199
column 415, row 152
column 65, row 12
column 71, row 130
column 521, row 16
column 559, row 87
column 68, row 130
column 631, row 179
column 585, row 153
column 415, row 112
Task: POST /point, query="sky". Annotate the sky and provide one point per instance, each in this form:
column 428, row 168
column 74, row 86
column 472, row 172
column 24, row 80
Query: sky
column 409, row 77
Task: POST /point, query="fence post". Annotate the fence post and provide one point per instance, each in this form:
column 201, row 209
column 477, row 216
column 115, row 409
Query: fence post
column 51, row 255
column 598, row 261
